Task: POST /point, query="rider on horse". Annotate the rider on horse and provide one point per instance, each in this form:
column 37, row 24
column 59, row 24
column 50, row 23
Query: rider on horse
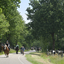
column 17, row 48
column 8, row 45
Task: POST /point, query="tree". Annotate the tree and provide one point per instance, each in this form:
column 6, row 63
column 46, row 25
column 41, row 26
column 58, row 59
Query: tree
column 47, row 17
column 16, row 23
column 4, row 25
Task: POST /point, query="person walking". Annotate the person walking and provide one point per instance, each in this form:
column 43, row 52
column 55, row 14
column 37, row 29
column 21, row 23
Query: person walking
column 17, row 48
column 22, row 49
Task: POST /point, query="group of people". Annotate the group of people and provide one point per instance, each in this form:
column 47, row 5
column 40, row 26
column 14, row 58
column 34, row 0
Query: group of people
column 21, row 49
column 16, row 48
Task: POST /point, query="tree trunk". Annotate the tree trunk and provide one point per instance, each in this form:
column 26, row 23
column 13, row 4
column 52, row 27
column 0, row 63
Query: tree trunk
column 53, row 41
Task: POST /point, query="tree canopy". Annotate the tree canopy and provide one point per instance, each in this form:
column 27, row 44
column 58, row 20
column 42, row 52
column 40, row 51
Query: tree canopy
column 12, row 25
column 47, row 18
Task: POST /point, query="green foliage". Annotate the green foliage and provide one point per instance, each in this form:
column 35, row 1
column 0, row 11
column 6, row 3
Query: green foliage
column 3, row 25
column 12, row 51
column 0, row 10
column 12, row 26
column 47, row 18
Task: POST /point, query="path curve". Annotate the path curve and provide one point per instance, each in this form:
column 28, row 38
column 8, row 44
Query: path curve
column 15, row 58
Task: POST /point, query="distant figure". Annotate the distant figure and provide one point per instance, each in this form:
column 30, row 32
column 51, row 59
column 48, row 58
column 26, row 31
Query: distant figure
column 17, row 48
column 38, row 49
column 22, row 50
column 54, row 52
column 8, row 45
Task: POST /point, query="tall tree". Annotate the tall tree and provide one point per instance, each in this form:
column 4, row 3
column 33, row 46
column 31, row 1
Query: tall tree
column 4, row 25
column 47, row 17
column 15, row 20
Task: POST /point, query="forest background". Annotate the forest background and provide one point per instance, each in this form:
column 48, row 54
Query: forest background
column 46, row 29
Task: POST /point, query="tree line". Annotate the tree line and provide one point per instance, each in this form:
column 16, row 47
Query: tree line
column 12, row 25
column 47, row 26
column 46, row 29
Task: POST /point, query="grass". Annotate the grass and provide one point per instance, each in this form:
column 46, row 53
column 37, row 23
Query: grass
column 27, row 50
column 32, row 60
column 42, row 58
column 12, row 51
column 1, row 53
column 57, row 60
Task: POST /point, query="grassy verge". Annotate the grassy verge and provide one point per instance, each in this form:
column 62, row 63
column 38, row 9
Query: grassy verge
column 55, row 59
column 1, row 53
column 42, row 58
column 12, row 51
column 32, row 60
column 27, row 50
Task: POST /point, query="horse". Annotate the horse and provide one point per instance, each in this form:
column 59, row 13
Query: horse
column 17, row 49
column 6, row 50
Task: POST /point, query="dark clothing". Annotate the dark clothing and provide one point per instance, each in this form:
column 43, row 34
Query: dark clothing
column 17, row 48
column 7, row 44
